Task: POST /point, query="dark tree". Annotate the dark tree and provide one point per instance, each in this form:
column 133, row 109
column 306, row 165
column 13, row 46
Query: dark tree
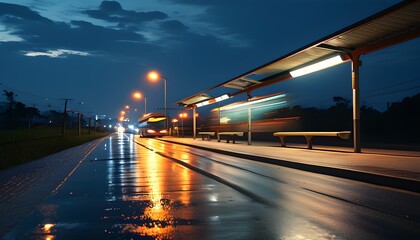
column 401, row 119
column 10, row 96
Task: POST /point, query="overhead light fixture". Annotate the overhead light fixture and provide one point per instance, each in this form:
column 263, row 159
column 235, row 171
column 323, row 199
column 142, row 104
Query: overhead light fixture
column 213, row 100
column 332, row 61
column 230, row 107
column 221, row 98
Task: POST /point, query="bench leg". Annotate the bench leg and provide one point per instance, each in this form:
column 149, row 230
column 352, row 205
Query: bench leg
column 282, row 142
column 209, row 137
column 309, row 141
column 202, row 137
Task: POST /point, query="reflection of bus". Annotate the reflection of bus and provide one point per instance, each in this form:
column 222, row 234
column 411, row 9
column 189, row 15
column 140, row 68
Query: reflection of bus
column 152, row 125
column 266, row 114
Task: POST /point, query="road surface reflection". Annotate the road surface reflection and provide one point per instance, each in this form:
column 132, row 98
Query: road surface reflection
column 153, row 189
column 158, row 190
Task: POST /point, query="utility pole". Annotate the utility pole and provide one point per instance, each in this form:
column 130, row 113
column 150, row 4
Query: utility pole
column 63, row 130
column 79, row 123
column 89, row 124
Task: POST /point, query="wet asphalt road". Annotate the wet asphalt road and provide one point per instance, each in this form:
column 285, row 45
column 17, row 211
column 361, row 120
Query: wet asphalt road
column 159, row 190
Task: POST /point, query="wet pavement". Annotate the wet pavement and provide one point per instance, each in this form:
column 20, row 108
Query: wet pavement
column 124, row 191
column 384, row 162
column 123, row 187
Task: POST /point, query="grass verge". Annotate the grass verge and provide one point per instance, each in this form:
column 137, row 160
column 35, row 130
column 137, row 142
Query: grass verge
column 24, row 145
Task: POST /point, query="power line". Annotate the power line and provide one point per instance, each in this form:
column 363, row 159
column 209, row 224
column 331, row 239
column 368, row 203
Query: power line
column 392, row 92
column 395, row 85
column 46, row 100
column 30, row 94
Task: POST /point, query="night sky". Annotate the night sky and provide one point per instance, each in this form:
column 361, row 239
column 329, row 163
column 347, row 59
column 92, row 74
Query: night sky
column 98, row 52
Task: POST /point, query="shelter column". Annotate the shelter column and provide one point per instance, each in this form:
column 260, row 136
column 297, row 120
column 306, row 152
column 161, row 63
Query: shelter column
column 356, row 103
column 249, row 125
column 194, row 123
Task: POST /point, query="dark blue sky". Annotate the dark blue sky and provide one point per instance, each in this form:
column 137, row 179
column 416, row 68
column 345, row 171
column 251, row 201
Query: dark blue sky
column 97, row 53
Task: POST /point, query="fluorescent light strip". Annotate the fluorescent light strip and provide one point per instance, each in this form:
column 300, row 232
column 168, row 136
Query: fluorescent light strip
column 218, row 99
column 221, row 98
column 252, row 102
column 317, row 66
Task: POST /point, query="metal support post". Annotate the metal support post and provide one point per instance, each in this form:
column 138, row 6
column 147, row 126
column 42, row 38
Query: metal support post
column 145, row 105
column 249, row 125
column 194, row 123
column 89, row 125
column 356, row 103
column 79, row 123
column 166, row 121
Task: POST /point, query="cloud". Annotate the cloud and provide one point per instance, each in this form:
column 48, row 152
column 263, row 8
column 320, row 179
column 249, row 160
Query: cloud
column 173, row 26
column 21, row 24
column 6, row 34
column 111, row 11
column 22, row 12
column 56, row 53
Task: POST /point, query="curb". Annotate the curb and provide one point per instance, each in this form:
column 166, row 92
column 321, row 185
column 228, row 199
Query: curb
column 376, row 179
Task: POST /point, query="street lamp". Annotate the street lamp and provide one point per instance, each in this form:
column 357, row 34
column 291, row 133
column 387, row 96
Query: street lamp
column 182, row 116
column 155, row 76
column 137, row 95
column 175, row 127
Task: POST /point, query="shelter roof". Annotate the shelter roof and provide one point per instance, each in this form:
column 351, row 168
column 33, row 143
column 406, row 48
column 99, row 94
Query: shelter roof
column 391, row 26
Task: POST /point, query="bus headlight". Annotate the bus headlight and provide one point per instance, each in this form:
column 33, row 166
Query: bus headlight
column 150, row 131
column 162, row 131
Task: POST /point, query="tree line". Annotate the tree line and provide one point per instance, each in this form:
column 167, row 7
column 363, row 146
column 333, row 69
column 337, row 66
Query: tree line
column 15, row 114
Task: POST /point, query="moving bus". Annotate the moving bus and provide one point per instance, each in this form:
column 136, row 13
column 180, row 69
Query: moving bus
column 152, row 125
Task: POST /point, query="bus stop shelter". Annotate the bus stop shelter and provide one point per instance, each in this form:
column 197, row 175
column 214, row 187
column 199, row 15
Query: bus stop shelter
column 394, row 25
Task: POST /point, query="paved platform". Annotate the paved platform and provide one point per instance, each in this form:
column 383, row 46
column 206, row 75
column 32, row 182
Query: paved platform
column 390, row 164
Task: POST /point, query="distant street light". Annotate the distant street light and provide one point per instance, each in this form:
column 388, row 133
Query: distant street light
column 138, row 96
column 175, row 126
column 182, row 116
column 155, row 76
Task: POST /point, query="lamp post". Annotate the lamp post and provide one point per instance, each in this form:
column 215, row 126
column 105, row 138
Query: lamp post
column 182, row 116
column 137, row 95
column 175, row 127
column 155, row 76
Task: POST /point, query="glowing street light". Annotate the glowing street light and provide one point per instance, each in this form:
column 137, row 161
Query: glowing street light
column 182, row 116
column 138, row 96
column 154, row 77
column 175, row 126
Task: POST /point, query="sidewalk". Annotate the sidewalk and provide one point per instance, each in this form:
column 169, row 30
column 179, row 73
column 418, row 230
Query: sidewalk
column 392, row 168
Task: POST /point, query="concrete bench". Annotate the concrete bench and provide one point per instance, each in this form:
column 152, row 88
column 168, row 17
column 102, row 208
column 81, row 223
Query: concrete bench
column 207, row 135
column 310, row 135
column 230, row 135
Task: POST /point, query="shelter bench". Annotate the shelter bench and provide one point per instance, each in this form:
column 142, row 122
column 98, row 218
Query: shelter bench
column 207, row 135
column 310, row 135
column 230, row 135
